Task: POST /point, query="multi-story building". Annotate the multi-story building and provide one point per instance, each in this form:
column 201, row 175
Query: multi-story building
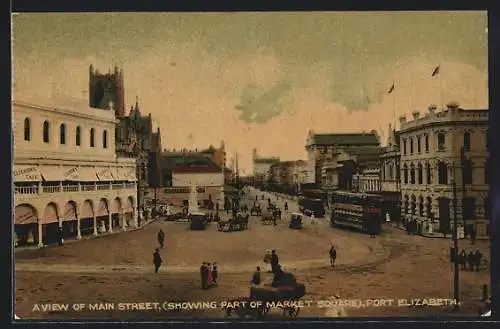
column 333, row 159
column 285, row 175
column 390, row 188
column 439, row 151
column 367, row 181
column 262, row 167
column 183, row 170
column 66, row 171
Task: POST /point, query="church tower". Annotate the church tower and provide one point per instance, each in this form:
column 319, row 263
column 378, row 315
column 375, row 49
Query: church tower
column 106, row 88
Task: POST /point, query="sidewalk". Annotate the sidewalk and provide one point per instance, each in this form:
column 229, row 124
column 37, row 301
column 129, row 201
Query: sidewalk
column 87, row 237
column 435, row 235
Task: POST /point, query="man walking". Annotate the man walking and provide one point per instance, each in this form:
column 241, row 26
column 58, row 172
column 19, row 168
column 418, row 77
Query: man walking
column 161, row 238
column 333, row 255
column 256, row 277
column 157, row 261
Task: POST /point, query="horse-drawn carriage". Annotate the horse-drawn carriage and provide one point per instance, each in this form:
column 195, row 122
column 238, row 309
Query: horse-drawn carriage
column 256, row 210
column 295, row 220
column 268, row 217
column 277, row 212
column 239, row 223
column 284, row 297
column 244, row 208
column 198, row 221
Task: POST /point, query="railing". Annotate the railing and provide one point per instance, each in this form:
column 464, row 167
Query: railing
column 32, row 190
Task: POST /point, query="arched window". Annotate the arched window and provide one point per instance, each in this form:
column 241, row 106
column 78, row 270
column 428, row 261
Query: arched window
column 421, row 206
column 105, row 139
column 419, row 144
column 404, row 146
column 411, row 145
column 429, row 173
column 92, row 137
column 46, row 132
column 467, row 141
column 78, row 136
column 405, row 174
column 442, row 173
column 391, row 174
column 441, row 142
column 426, row 143
column 412, row 175
column 420, row 173
column 62, row 134
column 27, row 129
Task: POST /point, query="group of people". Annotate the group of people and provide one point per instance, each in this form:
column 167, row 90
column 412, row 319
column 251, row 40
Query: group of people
column 469, row 261
column 208, row 274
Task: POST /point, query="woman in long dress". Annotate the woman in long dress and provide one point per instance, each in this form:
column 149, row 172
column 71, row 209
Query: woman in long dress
column 210, row 279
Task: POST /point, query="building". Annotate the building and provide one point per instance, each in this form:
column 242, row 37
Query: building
column 432, row 162
column 286, row 175
column 367, row 181
column 390, row 187
column 66, row 171
column 135, row 134
column 333, row 159
column 183, row 169
column 262, row 167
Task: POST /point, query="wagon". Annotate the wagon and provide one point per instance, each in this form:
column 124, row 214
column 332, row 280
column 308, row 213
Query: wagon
column 256, row 210
column 267, row 217
column 239, row 223
column 295, row 220
column 198, row 221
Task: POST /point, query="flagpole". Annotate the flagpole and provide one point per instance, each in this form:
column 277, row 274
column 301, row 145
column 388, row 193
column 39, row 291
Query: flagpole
column 440, row 92
column 394, row 108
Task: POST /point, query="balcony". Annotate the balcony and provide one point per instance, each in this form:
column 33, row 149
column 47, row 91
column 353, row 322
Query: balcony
column 36, row 190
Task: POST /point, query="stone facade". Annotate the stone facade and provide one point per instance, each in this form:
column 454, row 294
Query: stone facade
column 432, row 162
column 262, row 167
column 66, row 172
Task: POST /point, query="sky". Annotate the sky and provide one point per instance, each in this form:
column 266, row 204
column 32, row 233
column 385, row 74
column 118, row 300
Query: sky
column 261, row 80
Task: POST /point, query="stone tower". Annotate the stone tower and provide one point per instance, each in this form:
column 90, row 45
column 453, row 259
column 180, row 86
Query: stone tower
column 106, row 88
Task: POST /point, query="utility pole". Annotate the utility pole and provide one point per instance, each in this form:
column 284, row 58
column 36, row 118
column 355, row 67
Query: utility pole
column 456, row 273
column 463, row 165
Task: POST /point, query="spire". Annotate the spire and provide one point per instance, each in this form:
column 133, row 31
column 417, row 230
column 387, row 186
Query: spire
column 137, row 111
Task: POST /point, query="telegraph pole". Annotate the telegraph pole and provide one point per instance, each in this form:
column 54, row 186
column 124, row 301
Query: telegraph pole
column 456, row 277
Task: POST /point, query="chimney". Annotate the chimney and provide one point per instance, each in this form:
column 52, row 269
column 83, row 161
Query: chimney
column 452, row 106
column 415, row 115
column 402, row 118
column 432, row 109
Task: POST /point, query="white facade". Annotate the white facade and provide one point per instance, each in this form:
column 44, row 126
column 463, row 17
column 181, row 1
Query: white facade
column 431, row 162
column 210, row 186
column 367, row 181
column 262, row 169
column 66, row 173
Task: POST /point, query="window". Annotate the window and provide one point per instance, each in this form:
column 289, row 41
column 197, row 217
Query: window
column 421, row 207
column 413, row 205
column 406, row 204
column 429, row 208
column 429, row 173
column 405, row 174
column 27, row 129
column 105, row 139
column 467, row 141
column 92, row 137
column 412, row 175
column 467, row 171
column 411, row 145
column 469, row 204
column 441, row 141
column 442, row 173
column 404, row 146
column 420, row 174
column 62, row 134
column 419, row 144
column 427, row 143
column 46, row 132
column 78, row 137
column 391, row 172
column 486, row 176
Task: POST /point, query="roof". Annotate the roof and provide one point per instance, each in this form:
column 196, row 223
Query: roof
column 345, row 139
column 189, row 163
column 266, row 160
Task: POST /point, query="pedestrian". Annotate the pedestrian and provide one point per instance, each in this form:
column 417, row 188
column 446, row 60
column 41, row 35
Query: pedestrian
column 462, row 259
column 453, row 254
column 333, row 255
column 60, row 238
column 473, row 236
column 267, row 258
column 215, row 273
column 210, row 279
column 274, row 260
column 157, row 261
column 477, row 259
column 256, row 277
column 471, row 260
column 286, row 206
column 203, row 277
column 161, row 238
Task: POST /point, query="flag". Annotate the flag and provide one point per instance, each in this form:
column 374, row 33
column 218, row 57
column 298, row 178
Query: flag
column 391, row 89
column 436, row 71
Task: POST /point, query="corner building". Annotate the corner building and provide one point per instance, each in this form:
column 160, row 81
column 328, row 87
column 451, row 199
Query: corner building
column 432, row 161
column 66, row 173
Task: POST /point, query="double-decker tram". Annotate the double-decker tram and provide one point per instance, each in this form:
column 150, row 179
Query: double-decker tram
column 357, row 210
column 312, row 202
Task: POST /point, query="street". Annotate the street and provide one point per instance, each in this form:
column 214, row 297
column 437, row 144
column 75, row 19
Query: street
column 118, row 268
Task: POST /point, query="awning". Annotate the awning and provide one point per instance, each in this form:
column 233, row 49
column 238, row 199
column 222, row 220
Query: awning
column 24, row 214
column 27, row 173
column 52, row 174
column 104, row 174
column 87, row 174
column 71, row 174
